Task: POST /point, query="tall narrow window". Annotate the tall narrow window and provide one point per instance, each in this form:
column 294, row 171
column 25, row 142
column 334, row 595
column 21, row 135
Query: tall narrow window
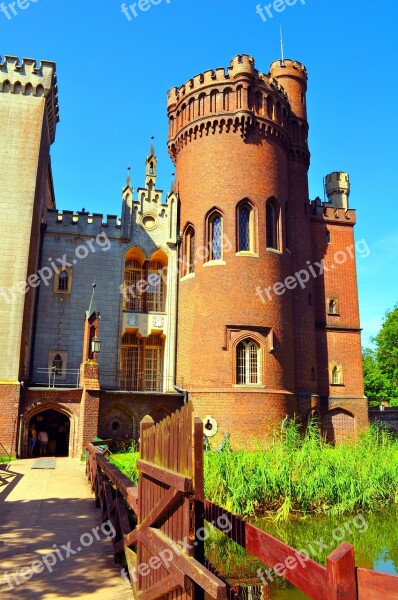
column 130, row 367
column 247, row 363
column 245, row 228
column 156, row 298
column 63, row 281
column 153, row 364
column 272, row 225
column 332, row 306
column 287, row 225
column 58, row 364
column 226, row 95
column 337, row 375
column 189, row 248
column 328, row 239
column 215, row 236
column 133, row 298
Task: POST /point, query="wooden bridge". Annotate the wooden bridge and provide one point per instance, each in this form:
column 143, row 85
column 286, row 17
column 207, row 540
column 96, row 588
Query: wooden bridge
column 159, row 526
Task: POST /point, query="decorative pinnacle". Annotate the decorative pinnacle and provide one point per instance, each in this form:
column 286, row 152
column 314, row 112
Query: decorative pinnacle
column 152, row 148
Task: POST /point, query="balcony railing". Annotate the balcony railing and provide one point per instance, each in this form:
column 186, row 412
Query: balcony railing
column 50, row 377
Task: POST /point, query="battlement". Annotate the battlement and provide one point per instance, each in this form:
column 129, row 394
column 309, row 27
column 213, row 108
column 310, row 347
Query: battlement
column 325, row 211
column 241, row 66
column 82, row 223
column 28, row 79
column 289, row 67
column 238, row 100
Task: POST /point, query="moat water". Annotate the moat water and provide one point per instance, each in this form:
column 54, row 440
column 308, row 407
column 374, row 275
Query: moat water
column 374, row 537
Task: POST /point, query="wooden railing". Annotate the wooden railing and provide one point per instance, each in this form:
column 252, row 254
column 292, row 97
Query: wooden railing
column 157, row 526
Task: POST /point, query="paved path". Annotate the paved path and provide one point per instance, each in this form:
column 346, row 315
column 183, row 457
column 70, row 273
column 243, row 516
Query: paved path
column 41, row 511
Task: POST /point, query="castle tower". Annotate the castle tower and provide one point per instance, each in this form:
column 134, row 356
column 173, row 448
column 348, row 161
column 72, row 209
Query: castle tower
column 28, row 118
column 239, row 143
column 338, row 332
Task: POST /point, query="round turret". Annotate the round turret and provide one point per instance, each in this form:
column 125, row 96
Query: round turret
column 292, row 75
column 337, row 185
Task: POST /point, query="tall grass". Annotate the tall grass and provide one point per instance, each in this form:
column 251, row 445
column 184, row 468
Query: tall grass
column 302, row 473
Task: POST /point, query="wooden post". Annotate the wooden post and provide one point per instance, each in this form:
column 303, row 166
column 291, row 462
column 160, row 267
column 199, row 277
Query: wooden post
column 199, row 498
column 341, row 574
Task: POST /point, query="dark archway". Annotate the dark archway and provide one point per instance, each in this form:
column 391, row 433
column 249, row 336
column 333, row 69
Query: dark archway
column 57, row 425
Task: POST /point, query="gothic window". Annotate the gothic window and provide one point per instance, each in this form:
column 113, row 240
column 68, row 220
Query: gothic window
column 333, row 306
column 133, row 291
column 214, row 236
column 336, row 374
column 245, row 228
column 247, row 363
column 63, row 280
column 272, row 225
column 189, row 250
column 57, row 364
column 156, row 299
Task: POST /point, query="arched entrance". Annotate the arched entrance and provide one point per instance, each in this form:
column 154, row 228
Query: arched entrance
column 58, row 427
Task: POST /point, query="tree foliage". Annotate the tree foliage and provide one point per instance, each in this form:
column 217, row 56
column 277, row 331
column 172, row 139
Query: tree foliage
column 380, row 366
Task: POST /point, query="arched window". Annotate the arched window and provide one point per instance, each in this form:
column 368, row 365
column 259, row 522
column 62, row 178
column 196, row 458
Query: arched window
column 337, row 375
column 189, row 250
column 214, row 236
column 245, row 228
column 191, row 109
column 63, row 281
column 272, row 225
column 247, row 363
column 333, row 307
column 156, row 299
column 226, row 97
column 213, row 101
column 239, row 96
column 270, row 107
column 201, row 107
column 133, row 290
column 58, row 364
column 258, row 100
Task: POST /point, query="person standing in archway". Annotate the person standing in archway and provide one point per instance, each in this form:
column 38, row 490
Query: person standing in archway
column 43, row 441
column 32, row 441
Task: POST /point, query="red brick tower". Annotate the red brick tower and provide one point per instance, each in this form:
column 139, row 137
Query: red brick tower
column 230, row 138
column 247, row 346
column 338, row 333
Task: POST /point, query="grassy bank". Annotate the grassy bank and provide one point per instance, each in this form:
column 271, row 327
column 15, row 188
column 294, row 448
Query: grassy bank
column 300, row 474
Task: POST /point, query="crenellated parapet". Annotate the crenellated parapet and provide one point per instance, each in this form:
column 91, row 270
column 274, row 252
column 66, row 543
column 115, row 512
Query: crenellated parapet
column 27, row 79
column 82, row 223
column 324, row 211
column 237, row 100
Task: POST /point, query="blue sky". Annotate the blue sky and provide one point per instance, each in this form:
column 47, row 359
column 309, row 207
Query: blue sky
column 113, row 77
